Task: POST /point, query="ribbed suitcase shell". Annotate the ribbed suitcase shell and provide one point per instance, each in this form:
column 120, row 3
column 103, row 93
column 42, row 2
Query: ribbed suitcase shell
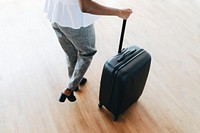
column 123, row 79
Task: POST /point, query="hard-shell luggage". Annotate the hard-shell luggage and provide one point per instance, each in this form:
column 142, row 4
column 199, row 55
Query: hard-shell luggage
column 123, row 78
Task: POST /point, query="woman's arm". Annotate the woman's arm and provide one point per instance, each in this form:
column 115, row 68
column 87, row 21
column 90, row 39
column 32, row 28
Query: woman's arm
column 89, row 6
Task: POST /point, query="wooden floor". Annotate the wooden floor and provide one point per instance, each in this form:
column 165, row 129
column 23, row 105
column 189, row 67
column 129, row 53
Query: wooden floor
column 33, row 71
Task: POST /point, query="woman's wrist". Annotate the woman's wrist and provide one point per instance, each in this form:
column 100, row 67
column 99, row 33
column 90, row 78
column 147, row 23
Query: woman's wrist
column 119, row 13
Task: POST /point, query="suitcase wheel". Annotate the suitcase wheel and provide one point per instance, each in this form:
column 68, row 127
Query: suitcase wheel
column 100, row 105
column 114, row 117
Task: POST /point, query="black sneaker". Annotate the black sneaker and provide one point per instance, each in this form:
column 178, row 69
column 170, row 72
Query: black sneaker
column 71, row 97
column 83, row 81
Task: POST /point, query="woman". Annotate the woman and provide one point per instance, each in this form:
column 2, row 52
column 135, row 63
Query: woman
column 73, row 21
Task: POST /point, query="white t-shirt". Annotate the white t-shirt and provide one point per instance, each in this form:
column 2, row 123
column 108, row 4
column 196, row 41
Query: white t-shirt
column 67, row 13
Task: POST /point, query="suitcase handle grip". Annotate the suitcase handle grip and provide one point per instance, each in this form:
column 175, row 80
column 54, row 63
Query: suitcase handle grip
column 122, row 36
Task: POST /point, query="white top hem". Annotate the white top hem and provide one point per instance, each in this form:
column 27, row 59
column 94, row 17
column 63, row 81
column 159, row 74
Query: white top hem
column 67, row 13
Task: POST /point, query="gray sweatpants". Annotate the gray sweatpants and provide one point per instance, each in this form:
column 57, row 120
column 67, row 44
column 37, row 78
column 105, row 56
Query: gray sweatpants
column 79, row 46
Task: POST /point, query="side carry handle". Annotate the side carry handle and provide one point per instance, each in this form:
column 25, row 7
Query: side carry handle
column 126, row 54
column 122, row 36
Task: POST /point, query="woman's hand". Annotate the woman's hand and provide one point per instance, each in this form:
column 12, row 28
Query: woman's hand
column 125, row 13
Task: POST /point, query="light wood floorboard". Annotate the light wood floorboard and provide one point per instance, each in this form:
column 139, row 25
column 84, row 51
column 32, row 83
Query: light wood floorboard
column 33, row 70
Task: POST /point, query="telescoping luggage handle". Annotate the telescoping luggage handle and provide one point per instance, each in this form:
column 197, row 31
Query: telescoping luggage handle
column 122, row 36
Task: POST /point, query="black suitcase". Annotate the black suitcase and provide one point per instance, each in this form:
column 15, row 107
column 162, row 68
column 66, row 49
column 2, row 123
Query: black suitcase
column 123, row 78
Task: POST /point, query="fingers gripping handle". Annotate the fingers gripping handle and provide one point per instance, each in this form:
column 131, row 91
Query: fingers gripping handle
column 122, row 36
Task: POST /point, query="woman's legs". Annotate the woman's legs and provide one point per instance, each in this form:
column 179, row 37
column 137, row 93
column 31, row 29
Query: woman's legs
column 70, row 51
column 79, row 46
